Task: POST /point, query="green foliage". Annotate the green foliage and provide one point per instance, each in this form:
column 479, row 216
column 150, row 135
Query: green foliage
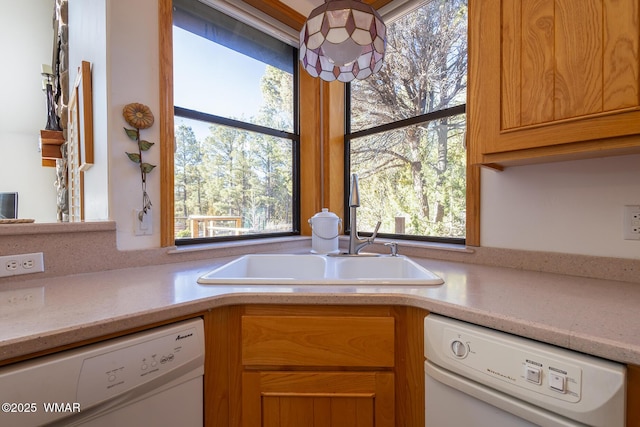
column 236, row 173
column 183, row 233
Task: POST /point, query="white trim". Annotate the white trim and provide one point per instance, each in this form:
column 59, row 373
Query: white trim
column 396, row 9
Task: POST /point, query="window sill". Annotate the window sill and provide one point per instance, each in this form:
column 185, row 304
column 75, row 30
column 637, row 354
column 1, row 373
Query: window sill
column 302, row 244
column 413, row 247
column 250, row 246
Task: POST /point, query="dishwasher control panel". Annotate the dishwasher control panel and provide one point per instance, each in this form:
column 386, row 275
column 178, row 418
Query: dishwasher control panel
column 172, row 351
column 530, row 369
column 569, row 383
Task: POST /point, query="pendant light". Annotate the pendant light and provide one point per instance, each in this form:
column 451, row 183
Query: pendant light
column 343, row 40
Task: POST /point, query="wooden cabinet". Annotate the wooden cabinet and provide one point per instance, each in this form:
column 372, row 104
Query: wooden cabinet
column 314, row 366
column 552, row 79
column 273, row 394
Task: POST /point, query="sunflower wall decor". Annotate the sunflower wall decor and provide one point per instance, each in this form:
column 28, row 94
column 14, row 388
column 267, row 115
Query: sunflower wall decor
column 140, row 117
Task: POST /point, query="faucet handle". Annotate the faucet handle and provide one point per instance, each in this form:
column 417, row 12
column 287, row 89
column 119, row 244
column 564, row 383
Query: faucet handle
column 375, row 232
column 393, row 246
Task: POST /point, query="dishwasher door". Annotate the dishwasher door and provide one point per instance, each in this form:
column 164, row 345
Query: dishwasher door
column 153, row 377
column 453, row 401
column 181, row 404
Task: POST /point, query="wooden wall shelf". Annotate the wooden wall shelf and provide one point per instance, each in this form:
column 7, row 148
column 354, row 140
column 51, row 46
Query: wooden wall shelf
column 50, row 141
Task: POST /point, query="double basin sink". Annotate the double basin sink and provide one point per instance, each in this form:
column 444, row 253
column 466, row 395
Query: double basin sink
column 313, row 269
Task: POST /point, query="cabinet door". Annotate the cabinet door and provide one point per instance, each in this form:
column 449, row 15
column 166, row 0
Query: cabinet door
column 543, row 73
column 318, row 399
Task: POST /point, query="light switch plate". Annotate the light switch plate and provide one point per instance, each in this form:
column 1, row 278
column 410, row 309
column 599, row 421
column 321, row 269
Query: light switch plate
column 144, row 227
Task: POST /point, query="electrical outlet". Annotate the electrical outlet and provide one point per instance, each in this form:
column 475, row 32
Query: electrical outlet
column 144, row 227
column 21, row 299
column 14, row 265
column 631, row 222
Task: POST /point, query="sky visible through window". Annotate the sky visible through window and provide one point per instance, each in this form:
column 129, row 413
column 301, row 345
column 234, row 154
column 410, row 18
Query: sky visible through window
column 231, row 180
column 213, row 79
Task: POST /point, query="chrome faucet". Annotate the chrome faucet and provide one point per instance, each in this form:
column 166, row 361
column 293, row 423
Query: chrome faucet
column 355, row 242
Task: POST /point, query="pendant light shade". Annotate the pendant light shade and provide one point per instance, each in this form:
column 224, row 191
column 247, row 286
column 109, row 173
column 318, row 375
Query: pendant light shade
column 343, row 40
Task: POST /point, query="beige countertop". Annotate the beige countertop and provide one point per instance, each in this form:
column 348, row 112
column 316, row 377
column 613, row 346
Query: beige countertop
column 594, row 316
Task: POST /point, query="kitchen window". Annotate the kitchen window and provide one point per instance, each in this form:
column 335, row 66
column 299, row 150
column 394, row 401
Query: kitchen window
column 236, row 130
column 406, row 128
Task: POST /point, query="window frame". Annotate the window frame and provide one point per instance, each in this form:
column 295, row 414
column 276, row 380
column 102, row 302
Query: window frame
column 423, row 118
column 333, row 187
column 293, row 136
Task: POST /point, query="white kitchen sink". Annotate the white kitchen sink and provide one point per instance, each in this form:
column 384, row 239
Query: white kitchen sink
column 282, row 269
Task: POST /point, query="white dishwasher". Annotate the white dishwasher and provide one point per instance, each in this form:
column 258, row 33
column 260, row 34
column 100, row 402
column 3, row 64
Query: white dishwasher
column 148, row 378
column 475, row 376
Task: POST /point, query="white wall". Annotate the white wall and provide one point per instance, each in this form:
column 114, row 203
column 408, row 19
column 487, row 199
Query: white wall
column 133, row 77
column 26, row 30
column 120, row 39
column 88, row 42
column 573, row 207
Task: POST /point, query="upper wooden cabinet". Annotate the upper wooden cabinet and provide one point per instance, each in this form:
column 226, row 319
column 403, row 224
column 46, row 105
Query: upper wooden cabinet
column 552, row 79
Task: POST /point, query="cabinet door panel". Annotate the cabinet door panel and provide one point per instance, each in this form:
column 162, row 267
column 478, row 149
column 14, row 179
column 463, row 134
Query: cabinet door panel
column 621, row 38
column 536, row 76
column 316, row 399
column 511, row 64
column 314, row 411
column 578, row 58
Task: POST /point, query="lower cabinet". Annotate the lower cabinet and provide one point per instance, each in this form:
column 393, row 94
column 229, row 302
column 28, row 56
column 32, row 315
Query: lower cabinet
column 312, row 366
column 281, row 366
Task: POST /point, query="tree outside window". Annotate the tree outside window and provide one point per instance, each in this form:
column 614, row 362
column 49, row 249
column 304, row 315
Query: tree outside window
column 407, row 124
